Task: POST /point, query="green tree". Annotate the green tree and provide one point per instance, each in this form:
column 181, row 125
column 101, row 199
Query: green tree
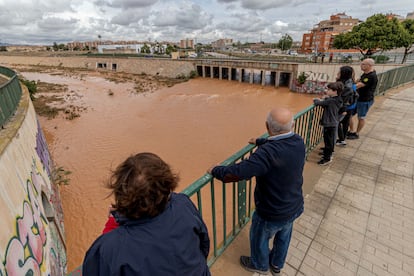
column 55, row 46
column 145, row 49
column 170, row 48
column 407, row 40
column 377, row 33
column 3, row 49
column 285, row 42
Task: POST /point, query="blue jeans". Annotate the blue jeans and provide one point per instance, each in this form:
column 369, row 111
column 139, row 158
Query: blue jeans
column 261, row 232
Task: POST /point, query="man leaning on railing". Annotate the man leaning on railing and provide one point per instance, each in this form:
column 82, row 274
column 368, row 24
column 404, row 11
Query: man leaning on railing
column 277, row 165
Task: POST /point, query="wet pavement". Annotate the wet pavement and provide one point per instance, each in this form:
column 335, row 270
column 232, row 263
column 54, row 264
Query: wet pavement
column 359, row 218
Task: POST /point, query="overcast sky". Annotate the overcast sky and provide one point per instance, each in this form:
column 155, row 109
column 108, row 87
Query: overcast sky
column 43, row 22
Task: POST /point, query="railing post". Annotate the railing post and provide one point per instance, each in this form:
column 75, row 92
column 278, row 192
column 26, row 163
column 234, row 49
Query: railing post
column 308, row 133
column 241, row 202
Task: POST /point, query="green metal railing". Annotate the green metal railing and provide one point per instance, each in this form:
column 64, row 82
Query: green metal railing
column 227, row 207
column 226, row 215
column 393, row 78
column 10, row 94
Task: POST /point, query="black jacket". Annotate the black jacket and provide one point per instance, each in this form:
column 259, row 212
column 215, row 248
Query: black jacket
column 331, row 106
column 347, row 95
column 175, row 243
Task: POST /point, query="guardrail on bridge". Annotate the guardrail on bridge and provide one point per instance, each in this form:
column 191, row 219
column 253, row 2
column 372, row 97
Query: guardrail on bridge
column 10, row 95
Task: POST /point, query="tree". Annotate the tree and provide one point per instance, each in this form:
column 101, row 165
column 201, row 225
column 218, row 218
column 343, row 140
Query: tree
column 145, row 49
column 377, row 33
column 55, row 46
column 170, row 48
column 285, row 42
column 407, row 40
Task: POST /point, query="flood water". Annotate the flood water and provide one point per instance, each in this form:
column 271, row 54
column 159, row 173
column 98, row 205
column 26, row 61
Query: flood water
column 191, row 125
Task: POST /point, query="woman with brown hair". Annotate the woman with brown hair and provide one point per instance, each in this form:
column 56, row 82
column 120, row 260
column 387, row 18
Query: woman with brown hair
column 160, row 232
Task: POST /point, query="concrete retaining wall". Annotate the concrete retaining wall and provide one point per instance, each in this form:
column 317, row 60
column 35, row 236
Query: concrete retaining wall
column 32, row 231
column 151, row 66
column 320, row 74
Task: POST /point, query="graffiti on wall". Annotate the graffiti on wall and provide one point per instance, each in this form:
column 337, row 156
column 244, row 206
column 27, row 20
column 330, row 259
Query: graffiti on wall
column 42, row 150
column 33, row 249
column 26, row 250
column 315, row 83
column 316, row 76
column 44, row 156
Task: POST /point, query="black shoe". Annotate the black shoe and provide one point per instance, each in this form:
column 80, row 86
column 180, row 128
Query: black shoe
column 246, row 263
column 274, row 270
column 352, row 135
column 324, row 162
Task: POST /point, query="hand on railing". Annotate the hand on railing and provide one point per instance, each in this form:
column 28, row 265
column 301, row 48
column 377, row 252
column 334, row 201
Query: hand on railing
column 209, row 170
column 252, row 141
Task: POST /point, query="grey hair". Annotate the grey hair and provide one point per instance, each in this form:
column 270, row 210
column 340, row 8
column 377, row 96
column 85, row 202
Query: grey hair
column 275, row 127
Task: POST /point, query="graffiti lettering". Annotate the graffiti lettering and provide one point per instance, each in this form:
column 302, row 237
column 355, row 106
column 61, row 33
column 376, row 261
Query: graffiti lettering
column 315, row 76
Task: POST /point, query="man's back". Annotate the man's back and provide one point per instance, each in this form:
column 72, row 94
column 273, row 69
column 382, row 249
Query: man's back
column 278, row 192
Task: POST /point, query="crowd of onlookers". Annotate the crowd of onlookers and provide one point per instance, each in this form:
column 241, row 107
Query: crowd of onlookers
column 342, row 100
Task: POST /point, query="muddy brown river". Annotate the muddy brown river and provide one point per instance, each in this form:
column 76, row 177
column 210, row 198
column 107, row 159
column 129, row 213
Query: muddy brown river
column 191, row 125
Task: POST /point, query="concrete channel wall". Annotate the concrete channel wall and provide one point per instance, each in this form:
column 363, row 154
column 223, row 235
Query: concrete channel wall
column 259, row 72
column 151, row 66
column 32, row 230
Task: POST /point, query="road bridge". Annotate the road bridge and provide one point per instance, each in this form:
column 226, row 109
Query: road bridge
column 258, row 72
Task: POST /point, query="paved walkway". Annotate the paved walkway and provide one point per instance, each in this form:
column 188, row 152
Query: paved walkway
column 359, row 218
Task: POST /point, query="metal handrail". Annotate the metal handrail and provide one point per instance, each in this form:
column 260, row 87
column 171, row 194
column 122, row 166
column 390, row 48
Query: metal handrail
column 10, row 95
column 307, row 126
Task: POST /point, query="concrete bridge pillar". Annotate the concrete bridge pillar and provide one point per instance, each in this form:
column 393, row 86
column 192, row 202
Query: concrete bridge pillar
column 220, row 73
column 277, row 78
column 203, row 68
column 241, row 71
column 263, row 73
column 229, row 74
column 251, row 76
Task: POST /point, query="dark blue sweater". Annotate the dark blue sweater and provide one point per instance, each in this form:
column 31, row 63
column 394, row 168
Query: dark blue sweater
column 175, row 242
column 278, row 166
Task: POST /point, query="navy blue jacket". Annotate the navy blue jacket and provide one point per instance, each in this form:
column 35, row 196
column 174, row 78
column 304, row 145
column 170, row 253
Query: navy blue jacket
column 278, row 166
column 175, row 242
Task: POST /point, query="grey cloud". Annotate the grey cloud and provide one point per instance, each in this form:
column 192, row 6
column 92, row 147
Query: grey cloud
column 262, row 5
column 54, row 23
column 125, row 4
column 128, row 17
column 192, row 17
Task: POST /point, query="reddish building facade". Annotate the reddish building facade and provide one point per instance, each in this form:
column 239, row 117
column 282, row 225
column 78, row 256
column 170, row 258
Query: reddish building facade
column 321, row 37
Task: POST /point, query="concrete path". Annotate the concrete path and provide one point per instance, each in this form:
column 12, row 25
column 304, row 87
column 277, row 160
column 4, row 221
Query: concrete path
column 359, row 218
